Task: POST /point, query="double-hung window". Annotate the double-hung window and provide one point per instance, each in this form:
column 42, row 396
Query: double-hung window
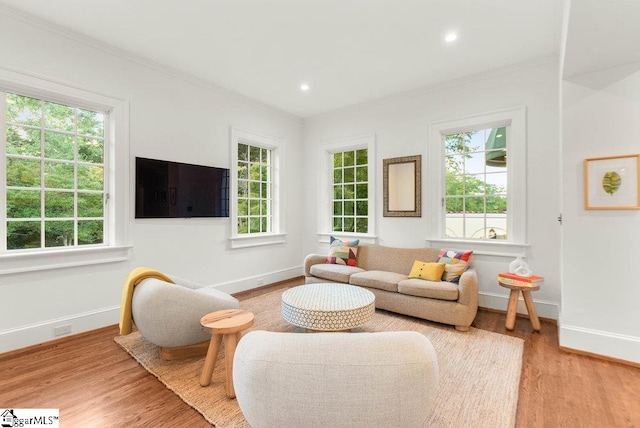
column 477, row 170
column 476, row 184
column 54, row 172
column 64, row 172
column 255, row 189
column 349, row 195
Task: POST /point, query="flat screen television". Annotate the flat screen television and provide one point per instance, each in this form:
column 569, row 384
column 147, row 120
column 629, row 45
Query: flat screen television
column 167, row 189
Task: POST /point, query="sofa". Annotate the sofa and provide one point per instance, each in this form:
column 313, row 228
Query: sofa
column 383, row 379
column 385, row 272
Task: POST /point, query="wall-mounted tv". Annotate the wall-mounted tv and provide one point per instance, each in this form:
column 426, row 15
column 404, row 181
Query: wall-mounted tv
column 167, row 189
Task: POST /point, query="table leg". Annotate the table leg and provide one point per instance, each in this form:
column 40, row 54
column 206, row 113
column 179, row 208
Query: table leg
column 533, row 316
column 230, row 343
column 512, row 309
column 210, row 360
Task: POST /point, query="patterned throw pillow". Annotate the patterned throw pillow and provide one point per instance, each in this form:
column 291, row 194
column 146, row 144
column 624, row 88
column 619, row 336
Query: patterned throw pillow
column 427, row 271
column 456, row 262
column 343, row 252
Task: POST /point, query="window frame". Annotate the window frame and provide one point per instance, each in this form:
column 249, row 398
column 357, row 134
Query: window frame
column 116, row 158
column 515, row 120
column 276, row 145
column 325, row 223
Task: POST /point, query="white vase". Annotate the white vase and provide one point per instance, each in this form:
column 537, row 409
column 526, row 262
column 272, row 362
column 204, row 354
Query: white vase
column 520, row 267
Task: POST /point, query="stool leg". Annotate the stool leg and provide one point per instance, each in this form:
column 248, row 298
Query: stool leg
column 512, row 309
column 210, row 361
column 533, row 316
column 230, row 342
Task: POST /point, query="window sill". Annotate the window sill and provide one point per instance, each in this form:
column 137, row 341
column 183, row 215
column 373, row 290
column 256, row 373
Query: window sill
column 56, row 259
column 240, row 241
column 484, row 247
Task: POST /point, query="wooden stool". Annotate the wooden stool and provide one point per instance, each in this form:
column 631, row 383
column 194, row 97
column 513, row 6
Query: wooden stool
column 228, row 323
column 528, row 301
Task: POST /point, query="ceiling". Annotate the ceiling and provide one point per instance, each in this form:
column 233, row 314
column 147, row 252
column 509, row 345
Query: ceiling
column 348, row 51
column 602, row 42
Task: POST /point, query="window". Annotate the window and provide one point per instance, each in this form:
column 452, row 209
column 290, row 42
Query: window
column 476, row 184
column 477, row 167
column 55, row 178
column 255, row 189
column 61, row 202
column 350, row 191
column 349, row 195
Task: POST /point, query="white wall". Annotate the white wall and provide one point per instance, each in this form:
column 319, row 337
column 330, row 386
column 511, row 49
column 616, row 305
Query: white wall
column 400, row 124
column 170, row 118
column 601, row 290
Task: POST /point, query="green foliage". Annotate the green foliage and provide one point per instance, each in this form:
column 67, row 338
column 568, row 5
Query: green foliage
column 44, row 140
column 254, row 189
column 23, row 141
column 350, row 191
column 461, row 188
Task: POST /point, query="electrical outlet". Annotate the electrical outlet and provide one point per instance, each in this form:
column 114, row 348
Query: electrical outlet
column 62, row 330
column 260, row 281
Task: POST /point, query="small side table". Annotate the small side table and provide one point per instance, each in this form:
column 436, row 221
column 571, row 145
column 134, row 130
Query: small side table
column 513, row 303
column 228, row 323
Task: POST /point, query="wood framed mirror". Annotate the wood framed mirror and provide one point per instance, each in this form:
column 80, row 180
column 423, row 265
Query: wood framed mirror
column 402, row 178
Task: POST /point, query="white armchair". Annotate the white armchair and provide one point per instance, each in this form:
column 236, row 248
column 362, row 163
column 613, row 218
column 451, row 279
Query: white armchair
column 324, row 380
column 168, row 315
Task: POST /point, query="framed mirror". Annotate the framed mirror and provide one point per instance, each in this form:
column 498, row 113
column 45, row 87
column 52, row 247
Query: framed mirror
column 402, row 178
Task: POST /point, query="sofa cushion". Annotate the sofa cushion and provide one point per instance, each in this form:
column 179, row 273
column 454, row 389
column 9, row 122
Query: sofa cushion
column 427, row 271
column 441, row 290
column 337, row 273
column 379, row 279
column 343, row 252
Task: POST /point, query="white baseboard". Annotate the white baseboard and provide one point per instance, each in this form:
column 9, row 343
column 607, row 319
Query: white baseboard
column 256, row 281
column 604, row 343
column 544, row 309
column 33, row 334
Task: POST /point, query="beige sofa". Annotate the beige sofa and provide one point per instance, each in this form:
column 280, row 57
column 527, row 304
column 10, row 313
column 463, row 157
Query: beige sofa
column 384, row 271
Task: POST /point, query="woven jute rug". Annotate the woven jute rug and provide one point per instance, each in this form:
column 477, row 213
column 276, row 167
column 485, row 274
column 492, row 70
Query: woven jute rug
column 479, row 370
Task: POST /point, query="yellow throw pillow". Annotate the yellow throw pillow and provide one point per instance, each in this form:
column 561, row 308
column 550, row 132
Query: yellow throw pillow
column 427, row 271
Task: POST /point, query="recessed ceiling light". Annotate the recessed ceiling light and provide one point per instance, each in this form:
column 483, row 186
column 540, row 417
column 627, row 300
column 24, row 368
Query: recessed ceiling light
column 450, row 37
column 304, row 87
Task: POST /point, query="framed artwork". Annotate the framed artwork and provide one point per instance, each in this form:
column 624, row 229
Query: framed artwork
column 402, row 194
column 612, row 183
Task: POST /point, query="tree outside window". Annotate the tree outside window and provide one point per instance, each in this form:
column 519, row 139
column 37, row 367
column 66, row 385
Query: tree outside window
column 476, row 184
column 350, row 191
column 55, row 182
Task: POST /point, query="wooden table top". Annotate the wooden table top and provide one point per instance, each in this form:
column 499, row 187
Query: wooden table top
column 236, row 319
column 533, row 287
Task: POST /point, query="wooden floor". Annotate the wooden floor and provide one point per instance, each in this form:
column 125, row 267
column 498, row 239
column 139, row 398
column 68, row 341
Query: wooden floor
column 95, row 383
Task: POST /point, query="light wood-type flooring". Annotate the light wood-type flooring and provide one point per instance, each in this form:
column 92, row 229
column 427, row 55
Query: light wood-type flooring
column 95, row 383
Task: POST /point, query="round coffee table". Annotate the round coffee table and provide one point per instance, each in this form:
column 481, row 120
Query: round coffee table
column 327, row 306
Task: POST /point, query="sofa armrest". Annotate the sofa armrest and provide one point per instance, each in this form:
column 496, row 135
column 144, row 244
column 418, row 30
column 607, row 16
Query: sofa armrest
column 313, row 259
column 468, row 288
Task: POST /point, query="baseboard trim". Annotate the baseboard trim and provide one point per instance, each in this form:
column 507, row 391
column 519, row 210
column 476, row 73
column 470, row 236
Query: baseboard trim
column 256, row 281
column 545, row 309
column 34, row 334
column 614, row 347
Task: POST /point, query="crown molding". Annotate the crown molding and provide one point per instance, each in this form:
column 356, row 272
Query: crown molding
column 59, row 30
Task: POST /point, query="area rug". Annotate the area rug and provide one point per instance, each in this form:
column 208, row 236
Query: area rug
column 479, row 370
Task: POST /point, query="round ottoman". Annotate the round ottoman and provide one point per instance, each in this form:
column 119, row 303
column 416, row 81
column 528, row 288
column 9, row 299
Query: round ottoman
column 327, row 306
